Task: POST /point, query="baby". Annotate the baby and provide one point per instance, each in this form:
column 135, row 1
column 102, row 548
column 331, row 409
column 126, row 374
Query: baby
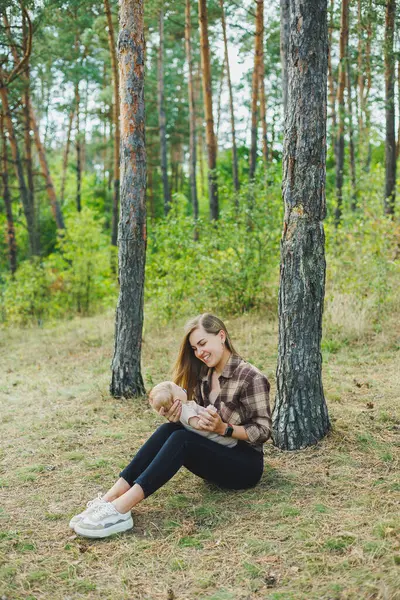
column 164, row 394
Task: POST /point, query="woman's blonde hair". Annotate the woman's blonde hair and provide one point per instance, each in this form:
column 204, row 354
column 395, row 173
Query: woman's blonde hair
column 188, row 369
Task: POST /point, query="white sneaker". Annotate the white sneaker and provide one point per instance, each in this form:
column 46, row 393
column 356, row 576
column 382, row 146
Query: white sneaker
column 103, row 521
column 91, row 505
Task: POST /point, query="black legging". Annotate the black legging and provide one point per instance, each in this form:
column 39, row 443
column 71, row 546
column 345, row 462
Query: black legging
column 172, row 446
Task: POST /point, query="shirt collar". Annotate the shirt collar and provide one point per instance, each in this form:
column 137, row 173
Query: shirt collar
column 233, row 362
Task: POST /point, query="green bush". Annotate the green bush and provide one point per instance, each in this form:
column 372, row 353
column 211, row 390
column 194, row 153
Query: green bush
column 76, row 278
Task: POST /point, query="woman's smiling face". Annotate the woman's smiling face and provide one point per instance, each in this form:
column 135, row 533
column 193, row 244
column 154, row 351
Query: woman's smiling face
column 208, row 347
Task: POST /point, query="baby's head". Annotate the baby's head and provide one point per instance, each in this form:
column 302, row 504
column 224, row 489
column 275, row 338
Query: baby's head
column 164, row 395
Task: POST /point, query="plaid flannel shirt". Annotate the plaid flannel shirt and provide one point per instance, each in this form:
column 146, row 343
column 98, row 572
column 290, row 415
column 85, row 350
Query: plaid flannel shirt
column 243, row 399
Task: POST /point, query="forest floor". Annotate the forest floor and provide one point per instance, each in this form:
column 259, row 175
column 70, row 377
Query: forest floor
column 322, row 524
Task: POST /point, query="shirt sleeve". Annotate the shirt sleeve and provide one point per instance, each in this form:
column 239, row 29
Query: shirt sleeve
column 189, row 410
column 255, row 401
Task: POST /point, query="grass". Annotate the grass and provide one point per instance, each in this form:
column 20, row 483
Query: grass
column 323, row 524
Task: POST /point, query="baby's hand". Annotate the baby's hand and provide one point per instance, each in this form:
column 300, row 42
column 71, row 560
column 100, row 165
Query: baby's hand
column 211, row 409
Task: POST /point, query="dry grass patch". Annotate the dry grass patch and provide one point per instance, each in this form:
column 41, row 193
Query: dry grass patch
column 322, row 524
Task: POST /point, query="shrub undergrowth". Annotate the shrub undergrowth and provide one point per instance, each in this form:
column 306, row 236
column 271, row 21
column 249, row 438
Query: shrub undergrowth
column 230, row 266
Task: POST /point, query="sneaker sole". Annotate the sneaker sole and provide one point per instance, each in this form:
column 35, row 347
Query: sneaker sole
column 102, row 533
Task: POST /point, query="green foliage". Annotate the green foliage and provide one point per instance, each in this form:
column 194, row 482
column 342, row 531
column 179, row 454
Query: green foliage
column 76, row 278
column 229, row 265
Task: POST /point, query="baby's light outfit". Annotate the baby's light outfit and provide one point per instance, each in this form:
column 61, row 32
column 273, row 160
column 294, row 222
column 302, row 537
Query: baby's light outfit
column 191, row 409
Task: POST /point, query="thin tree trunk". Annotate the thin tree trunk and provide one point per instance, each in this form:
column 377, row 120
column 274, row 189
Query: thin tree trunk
column 284, row 48
column 55, row 206
column 258, row 45
column 127, row 379
column 361, row 72
column 263, row 111
column 66, row 154
column 115, row 81
column 235, row 168
column 219, row 103
column 27, row 206
column 351, row 140
column 398, row 100
column 28, row 143
column 78, row 150
column 367, row 140
column 192, row 114
column 208, row 111
column 390, row 145
column 11, row 240
column 300, row 416
column 344, row 36
column 162, row 117
column 30, row 114
column 331, row 80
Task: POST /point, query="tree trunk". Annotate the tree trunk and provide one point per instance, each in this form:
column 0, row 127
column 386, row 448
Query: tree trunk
column 192, row 114
column 161, row 117
column 55, row 206
column 28, row 143
column 398, row 100
column 390, row 144
column 344, row 36
column 263, row 110
column 258, row 45
column 66, row 154
column 351, row 140
column 208, row 112
column 367, row 140
column 11, row 240
column 30, row 115
column 284, row 48
column 27, row 206
column 219, row 103
column 115, row 82
column 78, row 150
column 235, row 169
column 127, row 379
column 300, row 416
column 331, row 80
column 361, row 73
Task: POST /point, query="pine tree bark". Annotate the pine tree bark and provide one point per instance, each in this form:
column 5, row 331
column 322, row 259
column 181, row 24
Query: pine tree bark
column 284, row 47
column 127, row 379
column 27, row 206
column 115, row 82
column 344, row 36
column 331, row 80
column 390, row 144
column 66, row 154
column 30, row 116
column 300, row 416
column 192, row 114
column 162, row 118
column 361, row 72
column 258, row 46
column 398, row 100
column 78, row 149
column 263, row 110
column 235, row 168
column 54, row 204
column 351, row 140
column 11, row 240
column 208, row 111
column 368, row 76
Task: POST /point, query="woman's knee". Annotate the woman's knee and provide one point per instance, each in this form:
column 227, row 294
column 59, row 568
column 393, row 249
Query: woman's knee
column 169, row 427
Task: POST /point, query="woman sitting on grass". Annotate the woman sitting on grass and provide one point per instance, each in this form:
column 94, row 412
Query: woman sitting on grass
column 216, row 377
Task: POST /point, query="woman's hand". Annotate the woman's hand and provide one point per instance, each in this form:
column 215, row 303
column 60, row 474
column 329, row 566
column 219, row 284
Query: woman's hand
column 209, row 420
column 174, row 413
